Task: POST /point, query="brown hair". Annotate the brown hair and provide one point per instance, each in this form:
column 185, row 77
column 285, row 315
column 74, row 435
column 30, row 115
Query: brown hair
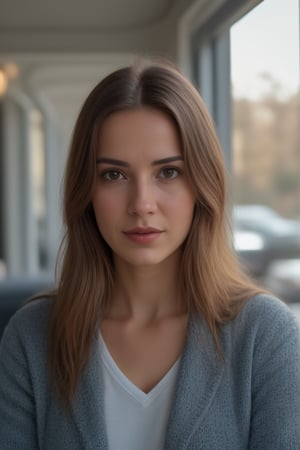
column 211, row 278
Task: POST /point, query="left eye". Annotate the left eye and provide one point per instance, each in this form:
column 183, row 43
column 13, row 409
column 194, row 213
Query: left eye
column 113, row 175
column 169, row 173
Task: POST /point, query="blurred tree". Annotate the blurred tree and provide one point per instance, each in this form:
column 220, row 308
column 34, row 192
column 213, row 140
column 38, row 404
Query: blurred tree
column 266, row 149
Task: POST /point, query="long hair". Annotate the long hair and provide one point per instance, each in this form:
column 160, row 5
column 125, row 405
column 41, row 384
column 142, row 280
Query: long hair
column 212, row 282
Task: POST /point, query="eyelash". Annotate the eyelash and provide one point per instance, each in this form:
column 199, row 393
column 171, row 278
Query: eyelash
column 106, row 174
column 173, row 169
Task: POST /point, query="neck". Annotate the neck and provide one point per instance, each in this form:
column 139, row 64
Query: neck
column 146, row 293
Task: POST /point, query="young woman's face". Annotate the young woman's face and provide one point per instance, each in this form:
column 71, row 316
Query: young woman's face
column 143, row 201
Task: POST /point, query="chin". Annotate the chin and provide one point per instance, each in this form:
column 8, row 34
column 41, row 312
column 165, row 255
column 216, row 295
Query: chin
column 148, row 259
column 143, row 262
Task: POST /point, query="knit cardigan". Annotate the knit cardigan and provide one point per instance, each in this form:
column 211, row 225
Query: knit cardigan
column 251, row 400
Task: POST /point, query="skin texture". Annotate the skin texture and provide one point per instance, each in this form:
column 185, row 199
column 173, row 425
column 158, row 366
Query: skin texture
column 145, row 325
column 143, row 194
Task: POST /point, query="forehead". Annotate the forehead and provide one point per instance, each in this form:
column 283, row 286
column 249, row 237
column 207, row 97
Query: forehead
column 138, row 130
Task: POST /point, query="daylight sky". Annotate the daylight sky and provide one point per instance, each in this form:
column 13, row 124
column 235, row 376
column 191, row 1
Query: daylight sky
column 266, row 40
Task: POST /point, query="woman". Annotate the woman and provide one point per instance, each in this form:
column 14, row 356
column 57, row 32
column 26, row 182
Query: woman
column 154, row 339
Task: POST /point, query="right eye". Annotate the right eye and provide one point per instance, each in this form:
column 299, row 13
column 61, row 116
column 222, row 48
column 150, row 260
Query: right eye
column 112, row 175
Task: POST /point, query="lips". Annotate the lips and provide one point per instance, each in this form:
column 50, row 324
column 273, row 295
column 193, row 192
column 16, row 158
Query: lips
column 143, row 235
column 143, row 230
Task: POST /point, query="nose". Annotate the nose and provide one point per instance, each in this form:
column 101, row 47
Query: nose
column 142, row 199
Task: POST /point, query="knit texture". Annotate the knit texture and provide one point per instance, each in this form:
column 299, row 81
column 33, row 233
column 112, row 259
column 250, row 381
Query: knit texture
column 249, row 401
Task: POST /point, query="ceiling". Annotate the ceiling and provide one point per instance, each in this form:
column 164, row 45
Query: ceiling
column 90, row 25
column 106, row 15
column 61, row 49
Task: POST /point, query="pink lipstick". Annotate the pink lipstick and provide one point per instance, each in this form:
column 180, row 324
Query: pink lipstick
column 143, row 235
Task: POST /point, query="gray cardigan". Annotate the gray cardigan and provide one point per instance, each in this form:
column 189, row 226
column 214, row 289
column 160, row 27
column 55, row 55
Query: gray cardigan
column 249, row 401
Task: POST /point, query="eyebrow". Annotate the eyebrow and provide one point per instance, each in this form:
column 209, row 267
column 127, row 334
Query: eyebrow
column 118, row 162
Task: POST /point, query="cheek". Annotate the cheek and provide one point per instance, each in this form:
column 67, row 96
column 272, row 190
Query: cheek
column 188, row 208
column 182, row 204
column 105, row 207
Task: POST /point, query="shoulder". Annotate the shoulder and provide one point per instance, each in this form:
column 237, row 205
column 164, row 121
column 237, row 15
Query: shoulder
column 266, row 304
column 264, row 325
column 35, row 312
column 265, row 312
column 29, row 323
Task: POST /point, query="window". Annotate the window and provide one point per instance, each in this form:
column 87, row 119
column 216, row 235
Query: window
column 266, row 143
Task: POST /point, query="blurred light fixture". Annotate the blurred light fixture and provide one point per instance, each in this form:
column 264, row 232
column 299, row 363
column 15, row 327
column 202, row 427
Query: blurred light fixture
column 3, row 81
column 11, row 70
column 8, row 71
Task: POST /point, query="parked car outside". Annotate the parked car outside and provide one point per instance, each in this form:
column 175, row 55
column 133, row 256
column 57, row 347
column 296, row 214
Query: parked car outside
column 261, row 237
column 283, row 278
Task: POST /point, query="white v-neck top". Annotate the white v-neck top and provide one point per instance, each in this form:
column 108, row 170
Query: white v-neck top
column 135, row 420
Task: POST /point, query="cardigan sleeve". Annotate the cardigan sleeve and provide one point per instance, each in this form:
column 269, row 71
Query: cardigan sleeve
column 17, row 409
column 275, row 419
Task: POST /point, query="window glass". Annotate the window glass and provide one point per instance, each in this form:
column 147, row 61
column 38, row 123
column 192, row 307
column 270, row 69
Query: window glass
column 266, row 144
